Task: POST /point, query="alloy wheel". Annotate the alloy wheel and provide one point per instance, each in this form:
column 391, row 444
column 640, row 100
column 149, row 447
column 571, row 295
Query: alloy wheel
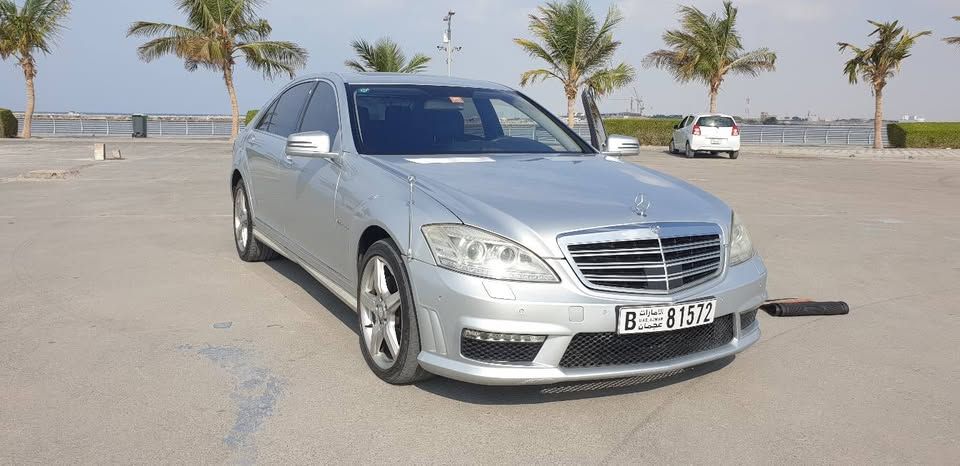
column 380, row 312
column 241, row 220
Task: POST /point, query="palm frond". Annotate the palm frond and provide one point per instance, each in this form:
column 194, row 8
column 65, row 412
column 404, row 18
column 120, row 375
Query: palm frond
column 35, row 27
column 274, row 58
column 384, row 56
column 574, row 45
column 608, row 80
column 882, row 59
column 955, row 40
column 706, row 47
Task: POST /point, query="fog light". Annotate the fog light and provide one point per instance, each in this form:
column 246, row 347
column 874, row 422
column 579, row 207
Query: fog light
column 502, row 337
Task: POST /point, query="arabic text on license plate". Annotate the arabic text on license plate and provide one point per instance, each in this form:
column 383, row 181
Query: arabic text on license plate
column 715, row 141
column 646, row 319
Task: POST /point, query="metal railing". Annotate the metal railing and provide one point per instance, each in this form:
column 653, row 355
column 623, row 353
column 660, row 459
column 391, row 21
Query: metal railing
column 788, row 135
column 808, row 135
column 78, row 126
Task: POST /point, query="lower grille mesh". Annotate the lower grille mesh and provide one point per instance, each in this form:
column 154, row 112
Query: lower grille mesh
column 611, row 349
column 498, row 351
column 747, row 319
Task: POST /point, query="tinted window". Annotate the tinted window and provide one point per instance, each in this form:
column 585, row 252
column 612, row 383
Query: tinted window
column 286, row 117
column 321, row 114
column 435, row 120
column 716, row 122
column 264, row 124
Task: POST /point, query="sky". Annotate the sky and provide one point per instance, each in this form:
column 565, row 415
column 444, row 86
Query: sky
column 95, row 67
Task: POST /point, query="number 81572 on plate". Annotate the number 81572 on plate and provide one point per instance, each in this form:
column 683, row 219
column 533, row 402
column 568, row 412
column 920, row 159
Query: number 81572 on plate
column 646, row 319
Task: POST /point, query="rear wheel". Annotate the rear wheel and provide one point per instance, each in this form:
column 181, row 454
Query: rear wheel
column 249, row 248
column 389, row 334
column 734, row 155
column 689, row 151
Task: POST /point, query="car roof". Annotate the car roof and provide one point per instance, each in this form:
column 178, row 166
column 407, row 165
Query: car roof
column 713, row 115
column 407, row 78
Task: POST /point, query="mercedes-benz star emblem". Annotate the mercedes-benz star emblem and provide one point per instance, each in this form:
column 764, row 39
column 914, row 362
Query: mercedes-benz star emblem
column 641, row 205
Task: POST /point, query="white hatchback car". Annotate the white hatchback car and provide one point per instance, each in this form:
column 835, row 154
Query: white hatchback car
column 706, row 133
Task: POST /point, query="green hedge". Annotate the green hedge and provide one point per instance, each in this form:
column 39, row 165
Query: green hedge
column 649, row 132
column 924, row 135
column 250, row 116
column 8, row 124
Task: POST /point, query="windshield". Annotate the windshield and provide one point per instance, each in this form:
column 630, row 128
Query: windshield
column 433, row 120
column 716, row 122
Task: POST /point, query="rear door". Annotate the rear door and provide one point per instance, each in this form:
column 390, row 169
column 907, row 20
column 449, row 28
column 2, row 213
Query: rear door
column 269, row 164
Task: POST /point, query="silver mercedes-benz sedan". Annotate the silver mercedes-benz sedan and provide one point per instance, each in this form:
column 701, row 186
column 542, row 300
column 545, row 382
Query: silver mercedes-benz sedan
column 480, row 239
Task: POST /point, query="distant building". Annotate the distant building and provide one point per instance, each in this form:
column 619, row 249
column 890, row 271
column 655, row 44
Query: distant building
column 914, row 118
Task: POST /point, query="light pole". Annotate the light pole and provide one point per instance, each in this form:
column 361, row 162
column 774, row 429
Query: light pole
column 448, row 41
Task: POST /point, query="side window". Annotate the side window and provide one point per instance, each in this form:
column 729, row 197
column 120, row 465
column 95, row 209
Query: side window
column 517, row 124
column 321, row 114
column 285, row 118
column 264, row 124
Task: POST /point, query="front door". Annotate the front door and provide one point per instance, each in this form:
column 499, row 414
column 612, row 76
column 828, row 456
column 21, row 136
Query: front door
column 313, row 226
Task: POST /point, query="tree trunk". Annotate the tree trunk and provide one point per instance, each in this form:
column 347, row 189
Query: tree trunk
column 29, row 73
column 571, row 109
column 713, row 101
column 878, row 119
column 234, row 107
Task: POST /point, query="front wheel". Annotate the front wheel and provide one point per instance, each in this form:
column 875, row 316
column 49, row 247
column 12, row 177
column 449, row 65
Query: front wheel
column 673, row 147
column 389, row 334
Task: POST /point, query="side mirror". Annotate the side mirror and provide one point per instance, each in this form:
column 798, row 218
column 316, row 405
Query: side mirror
column 622, row 145
column 315, row 144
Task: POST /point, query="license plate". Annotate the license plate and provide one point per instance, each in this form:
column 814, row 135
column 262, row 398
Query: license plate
column 715, row 141
column 646, row 319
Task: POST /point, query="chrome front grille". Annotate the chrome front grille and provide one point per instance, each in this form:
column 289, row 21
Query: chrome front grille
column 661, row 258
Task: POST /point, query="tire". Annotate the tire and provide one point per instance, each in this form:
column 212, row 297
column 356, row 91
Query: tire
column 689, row 152
column 392, row 356
column 734, row 155
column 673, row 147
column 249, row 248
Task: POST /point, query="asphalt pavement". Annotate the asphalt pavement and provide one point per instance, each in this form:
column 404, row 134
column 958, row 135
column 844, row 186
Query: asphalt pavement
column 130, row 332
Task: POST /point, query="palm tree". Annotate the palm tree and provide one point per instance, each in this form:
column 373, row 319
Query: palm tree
column 577, row 50
column 217, row 34
column 384, row 56
column 707, row 48
column 879, row 62
column 955, row 40
column 26, row 31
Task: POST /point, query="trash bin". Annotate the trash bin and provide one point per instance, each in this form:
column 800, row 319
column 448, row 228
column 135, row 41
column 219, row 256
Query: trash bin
column 139, row 126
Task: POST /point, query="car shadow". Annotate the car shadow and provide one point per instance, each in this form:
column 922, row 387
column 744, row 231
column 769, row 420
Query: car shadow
column 532, row 394
column 699, row 155
column 501, row 395
column 321, row 294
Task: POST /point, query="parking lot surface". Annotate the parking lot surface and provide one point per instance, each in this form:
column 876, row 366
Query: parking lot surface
column 130, row 332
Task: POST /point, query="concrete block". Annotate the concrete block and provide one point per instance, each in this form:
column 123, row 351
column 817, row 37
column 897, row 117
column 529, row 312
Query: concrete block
column 116, row 155
column 99, row 151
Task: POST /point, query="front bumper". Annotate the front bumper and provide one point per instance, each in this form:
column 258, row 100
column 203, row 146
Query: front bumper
column 448, row 302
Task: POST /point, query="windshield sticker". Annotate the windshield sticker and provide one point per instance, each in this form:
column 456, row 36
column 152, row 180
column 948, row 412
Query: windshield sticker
column 436, row 160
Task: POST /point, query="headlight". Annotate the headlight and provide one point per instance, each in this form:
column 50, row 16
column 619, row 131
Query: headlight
column 741, row 248
column 473, row 251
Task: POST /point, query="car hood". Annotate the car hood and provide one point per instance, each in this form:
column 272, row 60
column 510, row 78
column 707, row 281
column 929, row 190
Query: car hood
column 533, row 199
